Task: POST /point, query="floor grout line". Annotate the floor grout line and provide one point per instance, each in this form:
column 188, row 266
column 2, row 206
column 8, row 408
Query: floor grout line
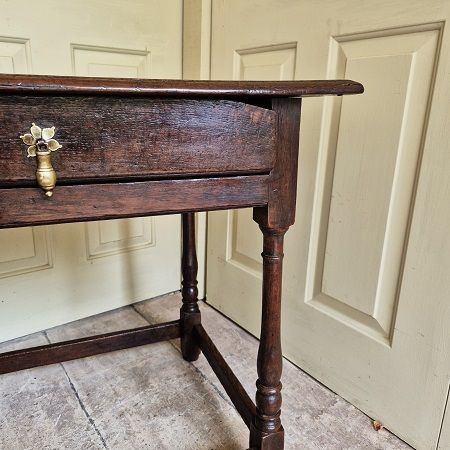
column 80, row 402
column 142, row 315
column 205, row 378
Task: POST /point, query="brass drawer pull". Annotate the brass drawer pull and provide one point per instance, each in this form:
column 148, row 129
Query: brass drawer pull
column 41, row 144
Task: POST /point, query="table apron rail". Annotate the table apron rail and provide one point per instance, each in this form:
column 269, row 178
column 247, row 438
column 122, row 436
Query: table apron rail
column 29, row 206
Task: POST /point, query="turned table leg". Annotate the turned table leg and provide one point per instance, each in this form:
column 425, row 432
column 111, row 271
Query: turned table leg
column 189, row 313
column 266, row 432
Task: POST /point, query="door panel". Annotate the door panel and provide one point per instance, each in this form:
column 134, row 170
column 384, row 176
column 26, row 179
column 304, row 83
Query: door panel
column 96, row 61
column 56, row 274
column 25, row 250
column 366, row 272
column 365, row 182
column 108, row 237
column 234, row 239
column 15, row 55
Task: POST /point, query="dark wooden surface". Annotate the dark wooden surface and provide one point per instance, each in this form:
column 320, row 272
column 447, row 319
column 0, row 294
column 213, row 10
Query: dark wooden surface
column 238, row 395
column 50, row 85
column 267, row 431
column 29, row 206
column 189, row 312
column 196, row 138
column 274, row 219
column 136, row 137
column 87, row 346
column 283, row 178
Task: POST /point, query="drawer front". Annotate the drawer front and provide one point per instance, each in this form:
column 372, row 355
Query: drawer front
column 125, row 138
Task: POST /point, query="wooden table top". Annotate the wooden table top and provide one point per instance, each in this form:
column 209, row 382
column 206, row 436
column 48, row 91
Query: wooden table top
column 195, row 146
column 51, row 85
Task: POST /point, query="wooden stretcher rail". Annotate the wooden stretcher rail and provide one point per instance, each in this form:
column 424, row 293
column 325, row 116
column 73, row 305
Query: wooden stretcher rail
column 87, row 346
column 238, row 395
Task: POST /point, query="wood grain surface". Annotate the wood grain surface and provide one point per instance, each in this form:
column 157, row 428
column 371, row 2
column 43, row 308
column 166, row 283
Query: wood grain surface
column 87, row 346
column 233, row 387
column 110, row 135
column 280, row 211
column 29, row 206
column 136, row 137
column 51, row 85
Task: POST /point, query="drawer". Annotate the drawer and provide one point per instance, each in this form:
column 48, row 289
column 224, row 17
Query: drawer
column 136, row 138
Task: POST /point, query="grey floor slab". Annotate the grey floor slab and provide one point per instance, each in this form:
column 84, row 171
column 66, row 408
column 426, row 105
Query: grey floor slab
column 149, row 398
column 39, row 408
column 313, row 416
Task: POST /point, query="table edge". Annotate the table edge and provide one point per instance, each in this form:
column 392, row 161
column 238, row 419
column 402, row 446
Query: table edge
column 70, row 85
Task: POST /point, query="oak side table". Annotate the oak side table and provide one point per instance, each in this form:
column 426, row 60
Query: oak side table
column 76, row 149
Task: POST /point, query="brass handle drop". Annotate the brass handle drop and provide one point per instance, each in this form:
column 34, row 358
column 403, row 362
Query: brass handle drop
column 41, row 145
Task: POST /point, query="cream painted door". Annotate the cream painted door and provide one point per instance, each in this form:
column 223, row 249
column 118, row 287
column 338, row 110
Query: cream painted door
column 56, row 274
column 366, row 299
